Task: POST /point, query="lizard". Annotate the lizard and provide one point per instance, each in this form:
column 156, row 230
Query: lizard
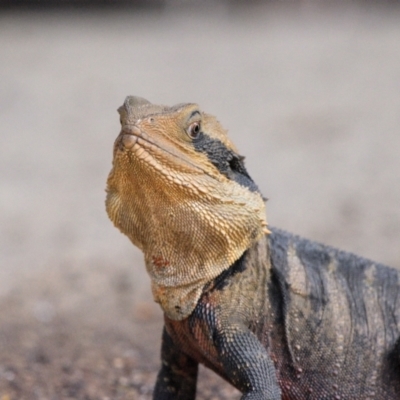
column 276, row 315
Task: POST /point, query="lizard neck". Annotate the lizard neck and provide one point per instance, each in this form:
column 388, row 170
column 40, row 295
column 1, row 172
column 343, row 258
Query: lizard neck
column 179, row 301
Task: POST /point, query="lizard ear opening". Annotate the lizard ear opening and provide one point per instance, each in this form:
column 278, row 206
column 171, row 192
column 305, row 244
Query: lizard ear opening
column 239, row 174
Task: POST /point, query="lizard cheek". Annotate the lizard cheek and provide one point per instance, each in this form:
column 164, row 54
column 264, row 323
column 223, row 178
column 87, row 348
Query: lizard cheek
column 128, row 140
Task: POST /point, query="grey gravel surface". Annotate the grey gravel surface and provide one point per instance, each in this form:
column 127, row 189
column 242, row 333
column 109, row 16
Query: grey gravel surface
column 309, row 93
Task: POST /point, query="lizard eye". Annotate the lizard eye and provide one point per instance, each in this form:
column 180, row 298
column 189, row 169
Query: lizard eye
column 194, row 130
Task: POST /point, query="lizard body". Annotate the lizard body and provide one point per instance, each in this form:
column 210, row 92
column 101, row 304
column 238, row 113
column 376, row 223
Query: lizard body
column 277, row 316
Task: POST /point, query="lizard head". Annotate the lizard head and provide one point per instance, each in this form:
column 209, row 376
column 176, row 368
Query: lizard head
column 179, row 190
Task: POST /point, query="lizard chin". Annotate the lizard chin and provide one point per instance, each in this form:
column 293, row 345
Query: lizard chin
column 128, row 140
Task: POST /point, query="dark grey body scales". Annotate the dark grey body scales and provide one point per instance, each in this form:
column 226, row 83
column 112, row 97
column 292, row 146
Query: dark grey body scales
column 291, row 319
column 337, row 339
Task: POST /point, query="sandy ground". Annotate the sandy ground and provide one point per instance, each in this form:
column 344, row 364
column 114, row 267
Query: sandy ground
column 310, row 94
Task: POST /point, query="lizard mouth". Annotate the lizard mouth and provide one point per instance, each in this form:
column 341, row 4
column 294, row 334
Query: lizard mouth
column 142, row 146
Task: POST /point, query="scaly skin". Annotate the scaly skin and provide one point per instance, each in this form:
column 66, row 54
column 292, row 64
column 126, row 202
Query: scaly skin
column 277, row 316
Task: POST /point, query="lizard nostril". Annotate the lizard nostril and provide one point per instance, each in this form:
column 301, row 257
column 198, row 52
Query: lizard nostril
column 128, row 140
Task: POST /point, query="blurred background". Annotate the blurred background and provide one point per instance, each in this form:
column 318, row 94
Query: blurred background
column 310, row 93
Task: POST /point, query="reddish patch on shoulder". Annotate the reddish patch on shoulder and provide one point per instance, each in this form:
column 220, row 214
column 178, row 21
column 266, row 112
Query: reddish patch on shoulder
column 160, row 262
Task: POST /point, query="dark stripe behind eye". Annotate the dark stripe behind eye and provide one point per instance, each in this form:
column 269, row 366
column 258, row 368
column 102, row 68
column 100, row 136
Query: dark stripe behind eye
column 225, row 160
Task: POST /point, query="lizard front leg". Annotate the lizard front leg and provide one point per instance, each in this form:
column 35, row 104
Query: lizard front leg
column 247, row 364
column 178, row 375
